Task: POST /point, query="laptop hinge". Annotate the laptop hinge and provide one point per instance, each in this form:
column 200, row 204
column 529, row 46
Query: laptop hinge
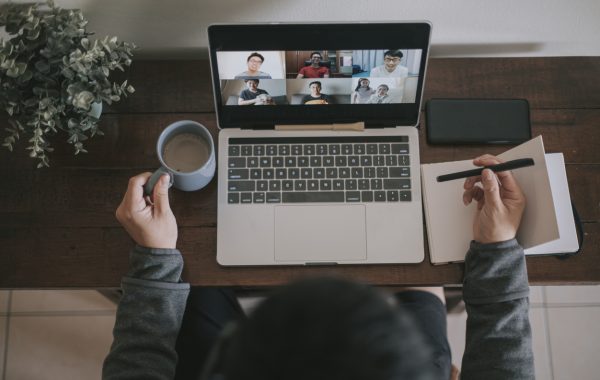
column 358, row 126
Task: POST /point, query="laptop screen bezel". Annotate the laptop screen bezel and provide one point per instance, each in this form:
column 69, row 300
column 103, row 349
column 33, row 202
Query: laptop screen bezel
column 314, row 37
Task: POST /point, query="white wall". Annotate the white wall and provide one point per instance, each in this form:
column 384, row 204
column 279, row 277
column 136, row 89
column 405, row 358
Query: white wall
column 177, row 28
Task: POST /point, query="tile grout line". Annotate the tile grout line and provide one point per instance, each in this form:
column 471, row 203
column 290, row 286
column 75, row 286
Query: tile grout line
column 547, row 333
column 6, row 334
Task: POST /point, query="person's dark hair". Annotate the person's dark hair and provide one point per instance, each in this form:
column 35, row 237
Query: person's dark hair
column 315, row 82
column 393, row 53
column 384, row 85
column 322, row 329
column 316, row 52
column 252, row 79
column 360, row 81
column 255, row 55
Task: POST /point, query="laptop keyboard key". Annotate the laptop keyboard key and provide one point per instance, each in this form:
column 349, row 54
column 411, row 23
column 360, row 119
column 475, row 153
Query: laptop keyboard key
column 280, row 173
column 319, row 172
column 331, row 172
column 363, row 184
column 380, row 196
column 290, row 162
column 259, row 150
column 268, row 174
column 300, row 185
column 382, row 172
column 265, row 162
column 234, row 150
column 357, row 172
column 346, row 149
column 255, row 173
column 262, row 185
column 340, row 161
column 287, row 185
column 306, row 173
column 278, row 162
column 303, row 162
column 325, row 184
column 344, row 172
column 315, row 161
column 369, row 172
column 274, row 197
column 237, row 162
column 359, row 149
column 366, row 196
column 384, row 148
column 396, row 184
column 338, row 184
column 391, row 160
column 237, row 174
column 293, row 173
column 309, row 150
column 240, row 185
column 271, row 150
column 275, row 185
column 351, row 184
column 312, row 184
column 233, row 198
column 399, row 172
column 352, row 196
column 392, row 195
column 405, row 196
column 246, row 150
column 284, row 150
column 334, row 149
column 376, row 184
column 259, row 197
column 246, row 198
column 328, row 161
column 252, row 162
column 372, row 149
column 403, row 160
column 316, row 197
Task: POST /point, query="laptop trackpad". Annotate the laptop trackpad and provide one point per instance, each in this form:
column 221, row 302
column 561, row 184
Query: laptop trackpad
column 320, row 233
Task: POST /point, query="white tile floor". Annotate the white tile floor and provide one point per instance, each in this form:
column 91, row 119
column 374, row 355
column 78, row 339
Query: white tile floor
column 66, row 334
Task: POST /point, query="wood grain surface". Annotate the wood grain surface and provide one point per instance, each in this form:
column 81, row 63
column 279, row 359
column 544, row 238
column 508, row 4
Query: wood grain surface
column 57, row 225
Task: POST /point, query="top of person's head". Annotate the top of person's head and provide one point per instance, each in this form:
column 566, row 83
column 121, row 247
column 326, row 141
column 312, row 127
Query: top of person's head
column 262, row 59
column 317, row 53
column 394, row 53
column 315, row 82
column 326, row 329
column 252, row 80
column 384, row 86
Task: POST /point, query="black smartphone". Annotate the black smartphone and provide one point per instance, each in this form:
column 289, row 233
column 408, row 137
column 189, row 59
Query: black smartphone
column 478, row 121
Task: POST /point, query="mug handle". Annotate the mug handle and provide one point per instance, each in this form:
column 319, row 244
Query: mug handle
column 149, row 186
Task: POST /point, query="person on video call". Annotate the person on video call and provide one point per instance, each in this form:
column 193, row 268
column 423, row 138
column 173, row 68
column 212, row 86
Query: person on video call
column 391, row 67
column 322, row 328
column 362, row 92
column 315, row 96
column 314, row 70
column 253, row 95
column 254, row 62
column 381, row 95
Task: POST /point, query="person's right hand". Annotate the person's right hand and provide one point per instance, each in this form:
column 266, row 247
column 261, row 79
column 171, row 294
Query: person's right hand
column 150, row 224
column 500, row 204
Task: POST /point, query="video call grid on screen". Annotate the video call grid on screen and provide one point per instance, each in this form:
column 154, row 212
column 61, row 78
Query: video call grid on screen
column 381, row 80
column 316, row 77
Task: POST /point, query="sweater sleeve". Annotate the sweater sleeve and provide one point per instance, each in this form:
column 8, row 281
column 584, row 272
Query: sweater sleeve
column 149, row 317
column 496, row 291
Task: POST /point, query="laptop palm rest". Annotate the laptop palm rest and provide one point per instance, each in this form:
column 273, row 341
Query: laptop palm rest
column 314, row 234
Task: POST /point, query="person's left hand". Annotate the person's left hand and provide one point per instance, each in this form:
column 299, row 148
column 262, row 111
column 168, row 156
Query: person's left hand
column 150, row 224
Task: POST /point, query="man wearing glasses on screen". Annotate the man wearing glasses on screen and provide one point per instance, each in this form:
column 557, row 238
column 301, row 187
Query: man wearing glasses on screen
column 254, row 61
column 391, row 67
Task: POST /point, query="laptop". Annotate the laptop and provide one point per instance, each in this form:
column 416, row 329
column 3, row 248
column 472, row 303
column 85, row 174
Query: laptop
column 318, row 146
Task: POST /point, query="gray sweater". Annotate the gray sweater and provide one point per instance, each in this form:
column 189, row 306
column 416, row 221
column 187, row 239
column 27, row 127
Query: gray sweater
column 495, row 288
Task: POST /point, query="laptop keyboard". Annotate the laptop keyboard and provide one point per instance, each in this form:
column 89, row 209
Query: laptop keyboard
column 318, row 169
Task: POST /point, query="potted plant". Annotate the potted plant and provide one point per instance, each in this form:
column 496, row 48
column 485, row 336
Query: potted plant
column 52, row 76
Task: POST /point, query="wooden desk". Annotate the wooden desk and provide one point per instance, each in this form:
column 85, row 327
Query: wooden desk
column 57, row 225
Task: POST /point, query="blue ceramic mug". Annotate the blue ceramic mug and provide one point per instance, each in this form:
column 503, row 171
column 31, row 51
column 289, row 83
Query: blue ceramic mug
column 186, row 152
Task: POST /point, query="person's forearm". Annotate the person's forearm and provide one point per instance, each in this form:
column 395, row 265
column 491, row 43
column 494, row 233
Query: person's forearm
column 496, row 290
column 149, row 317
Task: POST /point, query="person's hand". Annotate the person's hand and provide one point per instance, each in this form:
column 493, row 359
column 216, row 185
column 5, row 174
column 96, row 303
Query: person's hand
column 150, row 224
column 500, row 203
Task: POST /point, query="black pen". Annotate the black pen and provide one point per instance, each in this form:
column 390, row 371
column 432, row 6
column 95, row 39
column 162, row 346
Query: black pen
column 508, row 165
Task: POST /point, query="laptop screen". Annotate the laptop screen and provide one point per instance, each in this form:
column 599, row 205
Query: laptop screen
column 318, row 73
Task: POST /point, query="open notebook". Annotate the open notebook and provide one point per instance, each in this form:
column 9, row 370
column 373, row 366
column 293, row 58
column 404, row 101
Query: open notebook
column 547, row 226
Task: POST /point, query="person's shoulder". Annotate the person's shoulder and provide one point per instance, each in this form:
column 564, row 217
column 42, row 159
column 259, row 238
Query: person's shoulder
column 375, row 71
